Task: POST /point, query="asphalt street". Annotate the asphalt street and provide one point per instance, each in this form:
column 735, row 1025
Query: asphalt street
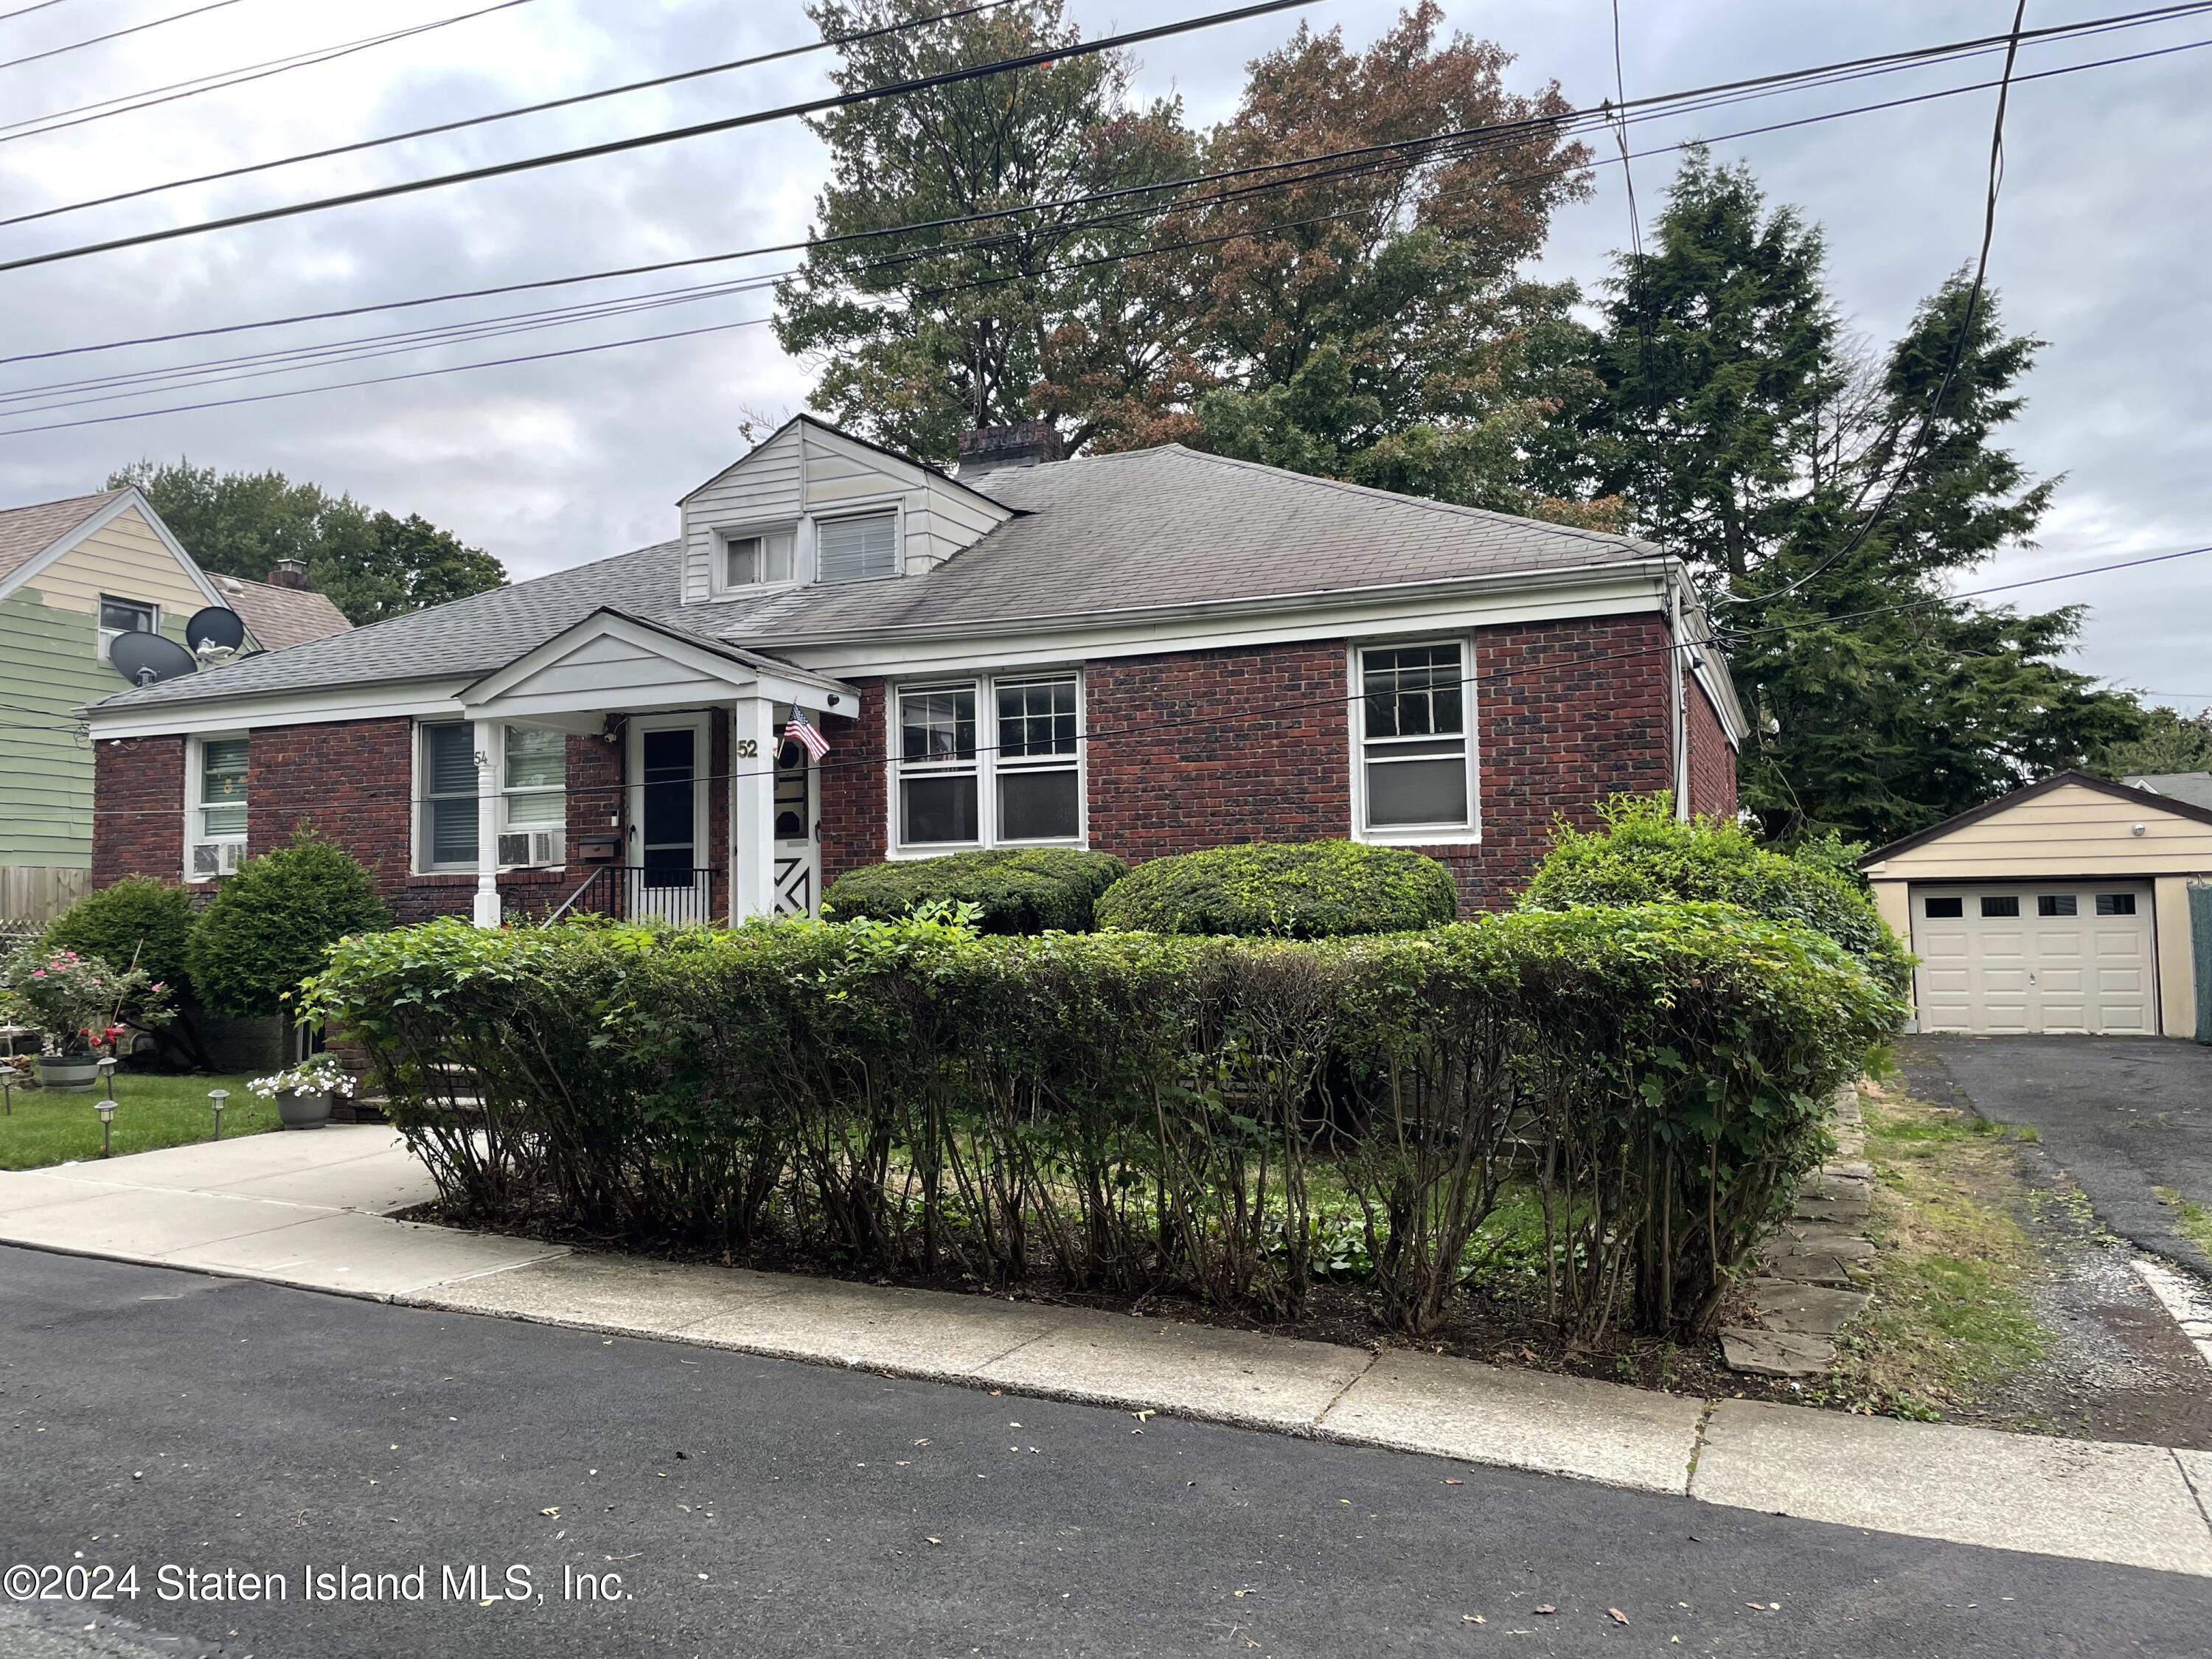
column 2120, row 1114
column 191, row 1431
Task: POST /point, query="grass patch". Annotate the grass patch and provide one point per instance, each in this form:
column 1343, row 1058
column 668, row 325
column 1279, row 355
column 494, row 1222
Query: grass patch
column 51, row 1127
column 2195, row 1220
column 1950, row 1316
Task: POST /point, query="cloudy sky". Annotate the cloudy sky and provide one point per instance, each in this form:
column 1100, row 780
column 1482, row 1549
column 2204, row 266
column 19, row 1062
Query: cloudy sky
column 2101, row 248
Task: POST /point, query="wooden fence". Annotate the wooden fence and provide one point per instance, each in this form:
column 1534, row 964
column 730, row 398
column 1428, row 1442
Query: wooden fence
column 37, row 893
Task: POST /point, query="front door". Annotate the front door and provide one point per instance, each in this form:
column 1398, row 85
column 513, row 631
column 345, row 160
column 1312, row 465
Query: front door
column 668, row 876
column 798, row 827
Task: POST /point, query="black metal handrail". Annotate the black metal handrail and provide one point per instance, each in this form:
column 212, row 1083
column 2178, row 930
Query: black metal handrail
column 632, row 892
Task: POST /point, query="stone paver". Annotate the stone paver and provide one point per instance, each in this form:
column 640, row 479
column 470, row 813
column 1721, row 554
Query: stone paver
column 2089, row 1499
column 1808, row 1294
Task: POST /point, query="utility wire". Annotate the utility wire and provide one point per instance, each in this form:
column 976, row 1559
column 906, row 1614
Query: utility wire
column 1218, row 719
column 724, row 68
column 1437, row 143
column 25, row 11
column 1935, row 409
column 630, row 302
column 113, row 35
column 222, row 80
column 697, row 130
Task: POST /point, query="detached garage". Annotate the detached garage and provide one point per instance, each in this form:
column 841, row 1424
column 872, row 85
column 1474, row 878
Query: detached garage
column 2064, row 907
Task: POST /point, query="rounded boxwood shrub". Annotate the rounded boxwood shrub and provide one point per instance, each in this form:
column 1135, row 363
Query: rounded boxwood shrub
column 273, row 923
column 1304, row 890
column 1030, row 891
column 1641, row 854
column 138, row 921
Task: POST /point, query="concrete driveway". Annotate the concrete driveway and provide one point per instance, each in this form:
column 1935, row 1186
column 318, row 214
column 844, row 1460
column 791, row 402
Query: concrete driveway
column 2120, row 1114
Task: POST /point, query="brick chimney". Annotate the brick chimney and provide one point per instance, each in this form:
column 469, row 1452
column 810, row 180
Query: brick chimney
column 995, row 448
column 289, row 572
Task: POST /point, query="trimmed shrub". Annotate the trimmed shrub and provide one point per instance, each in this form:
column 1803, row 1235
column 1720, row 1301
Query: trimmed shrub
column 1030, row 890
column 138, row 921
column 272, row 924
column 1302, row 889
column 1644, row 854
column 1132, row 1110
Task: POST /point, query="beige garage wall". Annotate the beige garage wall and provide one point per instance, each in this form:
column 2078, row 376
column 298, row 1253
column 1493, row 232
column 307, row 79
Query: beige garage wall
column 2079, row 832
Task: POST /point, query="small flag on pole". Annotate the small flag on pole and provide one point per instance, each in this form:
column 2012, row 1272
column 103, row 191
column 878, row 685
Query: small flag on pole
column 802, row 731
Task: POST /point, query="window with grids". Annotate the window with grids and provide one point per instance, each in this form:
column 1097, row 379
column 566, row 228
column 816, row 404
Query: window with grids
column 534, row 789
column 1413, row 738
column 858, row 549
column 990, row 762
column 220, row 800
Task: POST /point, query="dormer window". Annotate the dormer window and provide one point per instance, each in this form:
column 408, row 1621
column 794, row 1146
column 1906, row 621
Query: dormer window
column 749, row 561
column 857, row 549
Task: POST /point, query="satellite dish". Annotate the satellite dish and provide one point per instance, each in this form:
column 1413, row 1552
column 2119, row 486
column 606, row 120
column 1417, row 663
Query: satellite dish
column 215, row 628
column 143, row 659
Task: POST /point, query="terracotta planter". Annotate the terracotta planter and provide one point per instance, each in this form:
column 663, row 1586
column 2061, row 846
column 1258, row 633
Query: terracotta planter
column 70, row 1072
column 304, row 1111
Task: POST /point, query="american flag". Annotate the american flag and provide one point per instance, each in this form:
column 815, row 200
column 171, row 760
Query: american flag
column 802, row 730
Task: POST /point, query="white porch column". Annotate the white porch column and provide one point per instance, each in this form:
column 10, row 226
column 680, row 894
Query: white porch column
column 752, row 808
column 490, row 745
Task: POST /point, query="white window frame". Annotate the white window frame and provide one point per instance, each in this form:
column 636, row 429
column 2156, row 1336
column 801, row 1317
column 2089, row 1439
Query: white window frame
column 103, row 638
column 876, row 508
column 802, row 556
column 1467, row 833
column 419, row 802
column 986, row 766
column 195, row 833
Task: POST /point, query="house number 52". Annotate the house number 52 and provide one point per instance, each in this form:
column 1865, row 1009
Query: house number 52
column 748, row 749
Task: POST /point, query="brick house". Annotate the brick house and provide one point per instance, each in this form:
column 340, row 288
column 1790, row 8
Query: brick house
column 1144, row 653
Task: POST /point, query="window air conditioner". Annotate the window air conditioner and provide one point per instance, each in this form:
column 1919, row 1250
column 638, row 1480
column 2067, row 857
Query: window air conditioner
column 527, row 846
column 217, row 858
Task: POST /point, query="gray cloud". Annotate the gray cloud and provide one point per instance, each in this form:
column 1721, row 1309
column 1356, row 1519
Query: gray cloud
column 2098, row 251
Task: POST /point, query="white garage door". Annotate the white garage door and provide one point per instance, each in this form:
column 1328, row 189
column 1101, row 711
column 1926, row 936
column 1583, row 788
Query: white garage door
column 2045, row 957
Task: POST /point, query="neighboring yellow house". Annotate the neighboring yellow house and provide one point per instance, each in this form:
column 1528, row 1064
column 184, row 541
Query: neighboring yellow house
column 75, row 573
column 2064, row 907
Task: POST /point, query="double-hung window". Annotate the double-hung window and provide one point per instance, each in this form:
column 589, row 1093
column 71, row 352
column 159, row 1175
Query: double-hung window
column 533, row 795
column 1416, row 761
column 989, row 762
column 120, row 616
column 216, row 836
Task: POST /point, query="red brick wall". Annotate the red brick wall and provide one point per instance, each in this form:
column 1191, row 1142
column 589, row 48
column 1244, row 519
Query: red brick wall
column 1556, row 732
column 855, row 809
column 1206, row 749
column 1713, row 760
column 137, row 809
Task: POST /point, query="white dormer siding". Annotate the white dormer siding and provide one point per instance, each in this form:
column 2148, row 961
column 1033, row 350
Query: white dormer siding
column 807, row 473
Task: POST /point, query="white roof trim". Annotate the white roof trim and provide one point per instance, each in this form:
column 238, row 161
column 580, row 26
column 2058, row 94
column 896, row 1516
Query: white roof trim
column 504, row 693
column 97, row 521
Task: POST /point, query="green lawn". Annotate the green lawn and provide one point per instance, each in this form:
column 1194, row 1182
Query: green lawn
column 50, row 1126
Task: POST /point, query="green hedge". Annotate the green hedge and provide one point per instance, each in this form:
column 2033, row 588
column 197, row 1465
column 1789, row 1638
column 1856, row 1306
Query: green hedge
column 1131, row 1110
column 1030, row 891
column 269, row 926
column 1644, row 854
column 136, row 921
column 1304, row 890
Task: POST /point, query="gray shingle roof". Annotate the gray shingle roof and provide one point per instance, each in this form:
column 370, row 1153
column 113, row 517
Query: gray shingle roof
column 28, row 531
column 1144, row 528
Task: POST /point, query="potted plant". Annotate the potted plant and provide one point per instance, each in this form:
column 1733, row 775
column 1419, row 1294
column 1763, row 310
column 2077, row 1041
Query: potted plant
column 81, row 1007
column 304, row 1093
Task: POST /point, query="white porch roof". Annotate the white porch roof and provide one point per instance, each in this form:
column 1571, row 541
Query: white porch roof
column 614, row 662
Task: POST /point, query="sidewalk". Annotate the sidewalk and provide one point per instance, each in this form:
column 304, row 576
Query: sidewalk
column 310, row 1210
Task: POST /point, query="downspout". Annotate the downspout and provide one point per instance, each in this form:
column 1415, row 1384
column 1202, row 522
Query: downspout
column 1678, row 681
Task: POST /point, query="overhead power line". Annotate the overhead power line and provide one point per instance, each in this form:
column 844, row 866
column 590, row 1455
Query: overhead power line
column 220, row 80
column 113, row 35
column 25, row 11
column 724, row 67
column 697, row 130
column 323, row 355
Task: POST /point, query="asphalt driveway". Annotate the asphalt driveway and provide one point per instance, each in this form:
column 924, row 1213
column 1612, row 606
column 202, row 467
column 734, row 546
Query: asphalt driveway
column 2120, row 1114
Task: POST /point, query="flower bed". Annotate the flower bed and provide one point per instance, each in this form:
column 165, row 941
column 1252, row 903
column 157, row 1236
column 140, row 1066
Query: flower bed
column 1129, row 1111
